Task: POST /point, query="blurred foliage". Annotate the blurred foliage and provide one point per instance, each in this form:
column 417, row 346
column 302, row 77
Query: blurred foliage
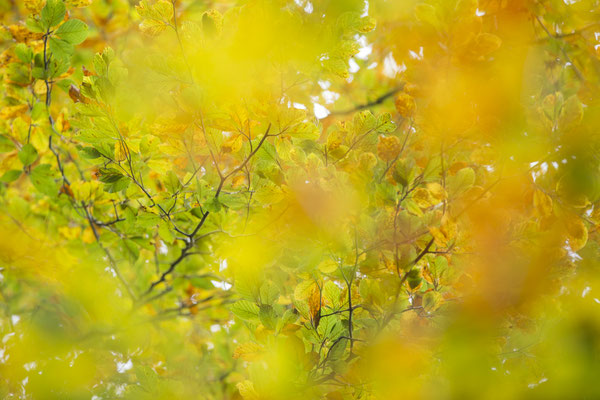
column 277, row 199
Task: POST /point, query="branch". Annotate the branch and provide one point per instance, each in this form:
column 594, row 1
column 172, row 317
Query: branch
column 373, row 103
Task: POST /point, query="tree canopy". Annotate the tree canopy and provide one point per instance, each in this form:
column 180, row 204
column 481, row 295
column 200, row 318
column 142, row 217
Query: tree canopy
column 295, row 199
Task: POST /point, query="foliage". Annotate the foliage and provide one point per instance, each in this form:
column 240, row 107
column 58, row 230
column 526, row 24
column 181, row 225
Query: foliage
column 177, row 222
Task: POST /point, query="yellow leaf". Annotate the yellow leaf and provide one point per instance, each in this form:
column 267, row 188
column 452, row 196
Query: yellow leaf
column 212, row 22
column 164, row 9
column 445, row 233
column 34, row 6
column 577, row 233
column 388, row 148
column 303, row 290
column 431, row 301
column 422, row 198
column 78, row 3
column 246, row 389
column 436, row 192
column 405, row 105
column 88, row 236
column 13, row 111
column 248, row 351
column 233, row 144
column 328, row 266
column 571, row 113
column 22, row 35
column 237, row 180
column 152, row 27
column 120, row 151
column 542, row 203
column 69, row 232
column 486, row 43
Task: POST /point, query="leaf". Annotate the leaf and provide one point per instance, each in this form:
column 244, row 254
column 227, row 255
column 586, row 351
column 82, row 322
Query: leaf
column 463, row 180
column 332, row 294
column 405, row 105
column 245, row 310
column 74, row 31
column 267, row 316
column 268, row 293
column 165, row 233
column 431, row 301
column 114, row 180
column 10, row 112
column 147, row 220
column 246, row 389
column 10, row 176
column 132, row 248
column 28, row 154
column 53, row 13
column 289, row 317
column 43, row 180
column 336, row 351
column 571, row 113
column 385, row 123
column 303, row 290
column 328, row 266
column 6, row 144
column 248, row 351
column 364, row 121
column 212, row 22
column 152, row 27
column 542, row 203
column 89, row 153
column 61, row 48
column 24, row 53
column 34, row 25
column 163, row 10
column 577, row 233
column 213, row 206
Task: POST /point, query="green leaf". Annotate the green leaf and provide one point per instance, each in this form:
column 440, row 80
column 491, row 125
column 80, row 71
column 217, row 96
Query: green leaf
column 90, row 153
column 336, row 351
column 431, row 301
column 43, row 180
column 53, row 13
column 364, row 121
column 24, row 53
column 234, row 201
column 39, row 73
column 385, row 123
column 38, row 111
column 61, row 48
column 267, row 316
column 74, row 31
column 28, row 154
column 463, row 180
column 197, row 212
column 213, row 206
column 10, row 176
column 268, row 293
column 114, row 180
column 34, row 25
column 165, row 233
column 132, row 247
column 147, row 220
column 172, row 182
column 6, row 144
column 289, row 317
column 245, row 310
